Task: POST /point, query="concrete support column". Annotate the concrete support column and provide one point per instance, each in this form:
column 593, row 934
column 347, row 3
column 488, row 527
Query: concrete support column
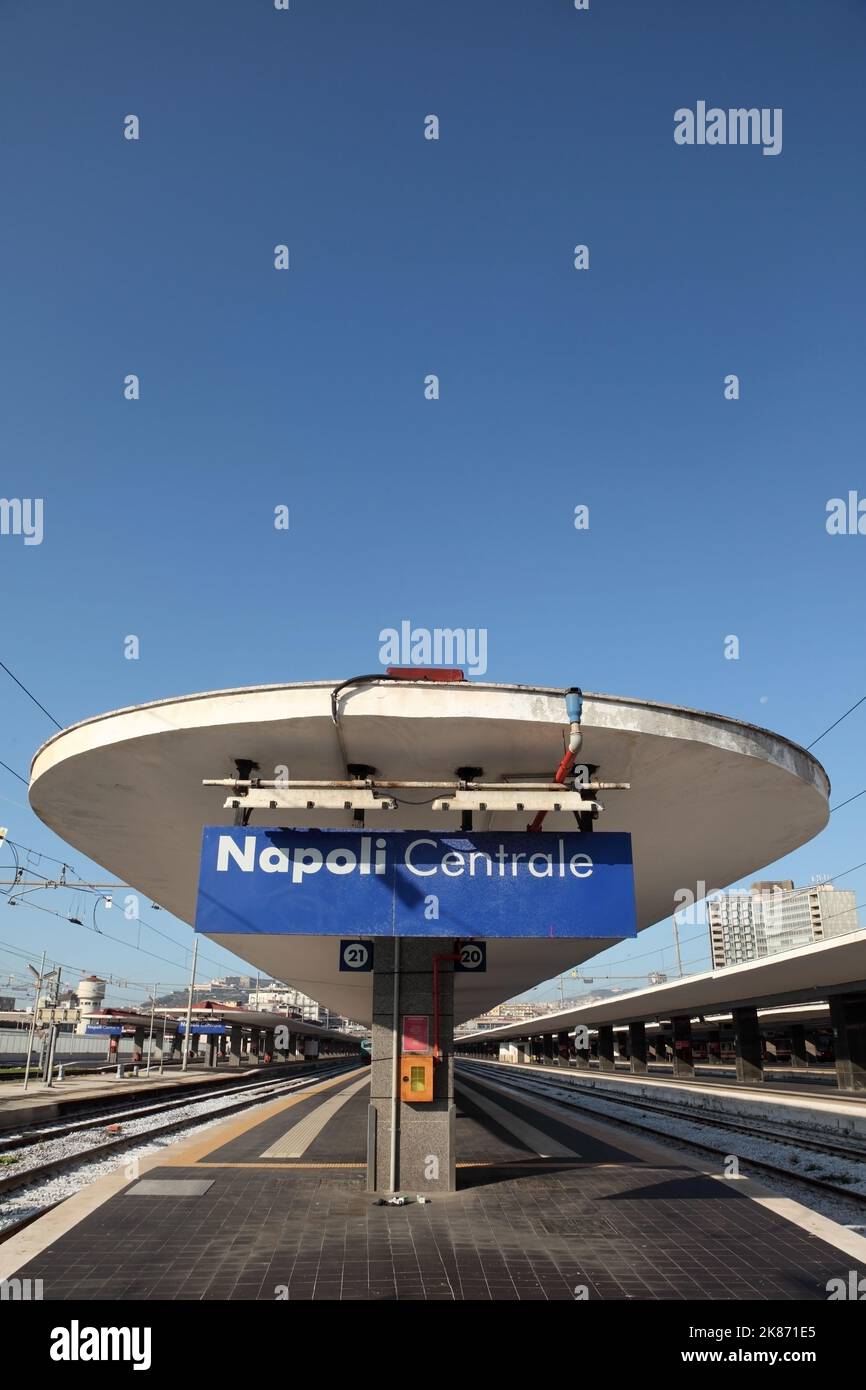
column 605, row 1047
column 269, row 1043
column 138, row 1044
column 548, row 1048
column 799, row 1055
column 848, row 1017
column 212, row 1045
column 747, row 1041
column 255, row 1034
column 424, row 1131
column 714, row 1039
column 684, row 1065
column 637, row 1048
column 562, row 1048
column 235, row 1045
column 622, row 1046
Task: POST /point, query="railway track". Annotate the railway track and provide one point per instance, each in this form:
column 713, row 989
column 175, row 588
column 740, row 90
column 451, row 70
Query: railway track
column 249, row 1095
column 126, row 1108
column 852, row 1151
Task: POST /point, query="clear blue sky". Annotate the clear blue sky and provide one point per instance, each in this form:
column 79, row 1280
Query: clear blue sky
column 410, row 257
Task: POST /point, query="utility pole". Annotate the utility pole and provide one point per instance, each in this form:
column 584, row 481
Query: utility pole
column 48, row 1070
column 188, row 1029
column 677, row 946
column 39, row 976
column 164, row 1038
column 150, row 1037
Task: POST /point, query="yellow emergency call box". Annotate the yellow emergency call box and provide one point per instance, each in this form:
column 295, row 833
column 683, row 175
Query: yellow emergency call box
column 416, row 1078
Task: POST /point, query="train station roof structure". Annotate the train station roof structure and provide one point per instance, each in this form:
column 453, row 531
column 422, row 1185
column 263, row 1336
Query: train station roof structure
column 802, row 976
column 710, row 799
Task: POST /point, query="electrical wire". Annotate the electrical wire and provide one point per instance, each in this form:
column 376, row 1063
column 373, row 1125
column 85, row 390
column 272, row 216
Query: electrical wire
column 848, row 802
column 30, row 694
column 836, row 723
column 14, row 773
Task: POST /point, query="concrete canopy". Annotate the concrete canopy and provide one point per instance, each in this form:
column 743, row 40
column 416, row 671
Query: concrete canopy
column 711, row 800
column 808, row 973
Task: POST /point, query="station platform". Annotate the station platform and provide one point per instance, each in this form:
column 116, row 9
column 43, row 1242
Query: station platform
column 74, row 1094
column 818, row 1079
column 837, row 1112
column 549, row 1206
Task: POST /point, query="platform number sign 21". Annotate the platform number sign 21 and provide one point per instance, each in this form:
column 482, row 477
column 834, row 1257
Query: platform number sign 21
column 356, row 955
column 473, row 956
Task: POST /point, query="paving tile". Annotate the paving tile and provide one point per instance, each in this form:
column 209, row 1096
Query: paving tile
column 626, row 1230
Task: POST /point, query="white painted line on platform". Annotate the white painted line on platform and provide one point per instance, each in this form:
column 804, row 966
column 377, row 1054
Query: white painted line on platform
column 295, row 1142
column 533, row 1138
column 652, row 1150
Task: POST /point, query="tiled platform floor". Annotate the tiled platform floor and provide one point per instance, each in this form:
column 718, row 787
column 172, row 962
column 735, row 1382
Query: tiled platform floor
column 518, row 1228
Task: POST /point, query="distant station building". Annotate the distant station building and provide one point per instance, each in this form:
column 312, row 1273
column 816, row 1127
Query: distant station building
column 775, row 916
column 276, row 998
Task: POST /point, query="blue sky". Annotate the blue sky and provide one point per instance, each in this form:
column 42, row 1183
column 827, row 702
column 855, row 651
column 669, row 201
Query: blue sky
column 409, row 257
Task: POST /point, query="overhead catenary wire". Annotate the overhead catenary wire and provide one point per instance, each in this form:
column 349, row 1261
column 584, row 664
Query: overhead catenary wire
column 587, row 967
column 83, row 887
column 118, row 940
column 39, row 705
column 836, row 723
column 14, row 773
column 115, row 982
column 855, row 797
column 30, row 695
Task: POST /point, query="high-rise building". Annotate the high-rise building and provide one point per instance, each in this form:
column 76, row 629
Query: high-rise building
column 775, row 916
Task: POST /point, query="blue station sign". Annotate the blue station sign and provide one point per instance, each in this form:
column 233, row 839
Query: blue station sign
column 414, row 883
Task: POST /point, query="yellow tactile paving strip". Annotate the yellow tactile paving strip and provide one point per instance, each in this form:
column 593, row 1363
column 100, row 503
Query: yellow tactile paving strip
column 193, row 1154
column 284, row 1167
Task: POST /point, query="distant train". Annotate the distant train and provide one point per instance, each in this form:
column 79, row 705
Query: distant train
column 366, row 1049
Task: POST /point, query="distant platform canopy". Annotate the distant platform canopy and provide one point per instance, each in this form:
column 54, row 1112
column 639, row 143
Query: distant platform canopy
column 711, row 800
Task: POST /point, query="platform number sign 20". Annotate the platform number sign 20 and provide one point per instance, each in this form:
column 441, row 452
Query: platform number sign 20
column 473, row 956
column 356, row 955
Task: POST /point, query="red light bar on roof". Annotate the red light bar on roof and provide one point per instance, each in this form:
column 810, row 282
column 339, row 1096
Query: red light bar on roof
column 425, row 673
